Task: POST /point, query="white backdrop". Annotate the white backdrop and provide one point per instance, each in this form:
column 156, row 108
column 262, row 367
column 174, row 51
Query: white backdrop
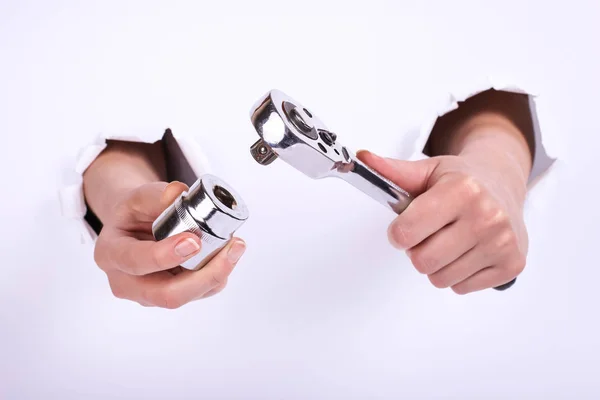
column 321, row 306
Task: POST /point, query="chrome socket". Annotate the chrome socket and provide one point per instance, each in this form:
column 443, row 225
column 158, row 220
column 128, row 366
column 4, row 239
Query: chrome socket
column 211, row 209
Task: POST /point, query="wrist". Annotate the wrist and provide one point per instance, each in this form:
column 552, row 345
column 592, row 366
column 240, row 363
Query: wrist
column 495, row 135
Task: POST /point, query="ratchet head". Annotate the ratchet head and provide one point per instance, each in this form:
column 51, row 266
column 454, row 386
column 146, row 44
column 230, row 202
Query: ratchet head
column 291, row 132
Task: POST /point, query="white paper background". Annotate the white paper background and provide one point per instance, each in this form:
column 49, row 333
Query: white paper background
column 320, row 306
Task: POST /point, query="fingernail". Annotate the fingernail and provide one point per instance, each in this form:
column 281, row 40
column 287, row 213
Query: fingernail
column 171, row 192
column 361, row 153
column 370, row 154
column 186, row 247
column 236, row 250
column 167, row 188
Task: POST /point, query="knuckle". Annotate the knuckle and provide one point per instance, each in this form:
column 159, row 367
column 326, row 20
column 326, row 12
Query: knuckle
column 438, row 281
column 223, row 285
column 172, row 301
column 486, row 209
column 518, row 266
column 469, row 187
column 218, row 278
column 169, row 298
column 495, row 216
column 98, row 250
column 505, row 240
column 422, row 261
column 399, row 235
column 215, row 291
column 103, row 256
column 156, row 259
column 460, row 290
column 490, row 216
column 117, row 291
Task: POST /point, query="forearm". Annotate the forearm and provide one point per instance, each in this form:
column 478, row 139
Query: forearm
column 491, row 131
column 121, row 167
column 494, row 143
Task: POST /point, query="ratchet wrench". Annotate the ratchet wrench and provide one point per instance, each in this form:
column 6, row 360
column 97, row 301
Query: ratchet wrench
column 293, row 133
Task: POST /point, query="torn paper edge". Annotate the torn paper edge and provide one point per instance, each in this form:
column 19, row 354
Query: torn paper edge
column 71, row 197
column 542, row 162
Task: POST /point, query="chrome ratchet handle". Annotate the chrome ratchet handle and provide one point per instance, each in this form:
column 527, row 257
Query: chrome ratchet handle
column 376, row 186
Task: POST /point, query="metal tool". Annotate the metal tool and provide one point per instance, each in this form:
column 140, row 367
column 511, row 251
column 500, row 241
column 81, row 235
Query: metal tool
column 290, row 131
column 211, row 209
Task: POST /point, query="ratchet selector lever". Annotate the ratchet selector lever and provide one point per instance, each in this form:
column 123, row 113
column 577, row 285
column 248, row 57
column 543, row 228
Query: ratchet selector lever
column 291, row 132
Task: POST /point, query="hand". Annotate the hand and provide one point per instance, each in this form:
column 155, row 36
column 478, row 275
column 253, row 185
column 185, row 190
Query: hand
column 148, row 272
column 465, row 229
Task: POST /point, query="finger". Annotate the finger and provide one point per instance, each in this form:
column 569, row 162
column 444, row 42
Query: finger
column 148, row 201
column 152, row 290
column 459, row 270
column 425, row 215
column 412, row 176
column 141, row 257
column 172, row 192
column 135, row 288
column 163, row 289
column 148, row 290
column 485, row 279
column 191, row 285
column 443, row 247
column 214, row 291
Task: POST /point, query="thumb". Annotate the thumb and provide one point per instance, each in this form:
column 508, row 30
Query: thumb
column 171, row 192
column 150, row 200
column 412, row 176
